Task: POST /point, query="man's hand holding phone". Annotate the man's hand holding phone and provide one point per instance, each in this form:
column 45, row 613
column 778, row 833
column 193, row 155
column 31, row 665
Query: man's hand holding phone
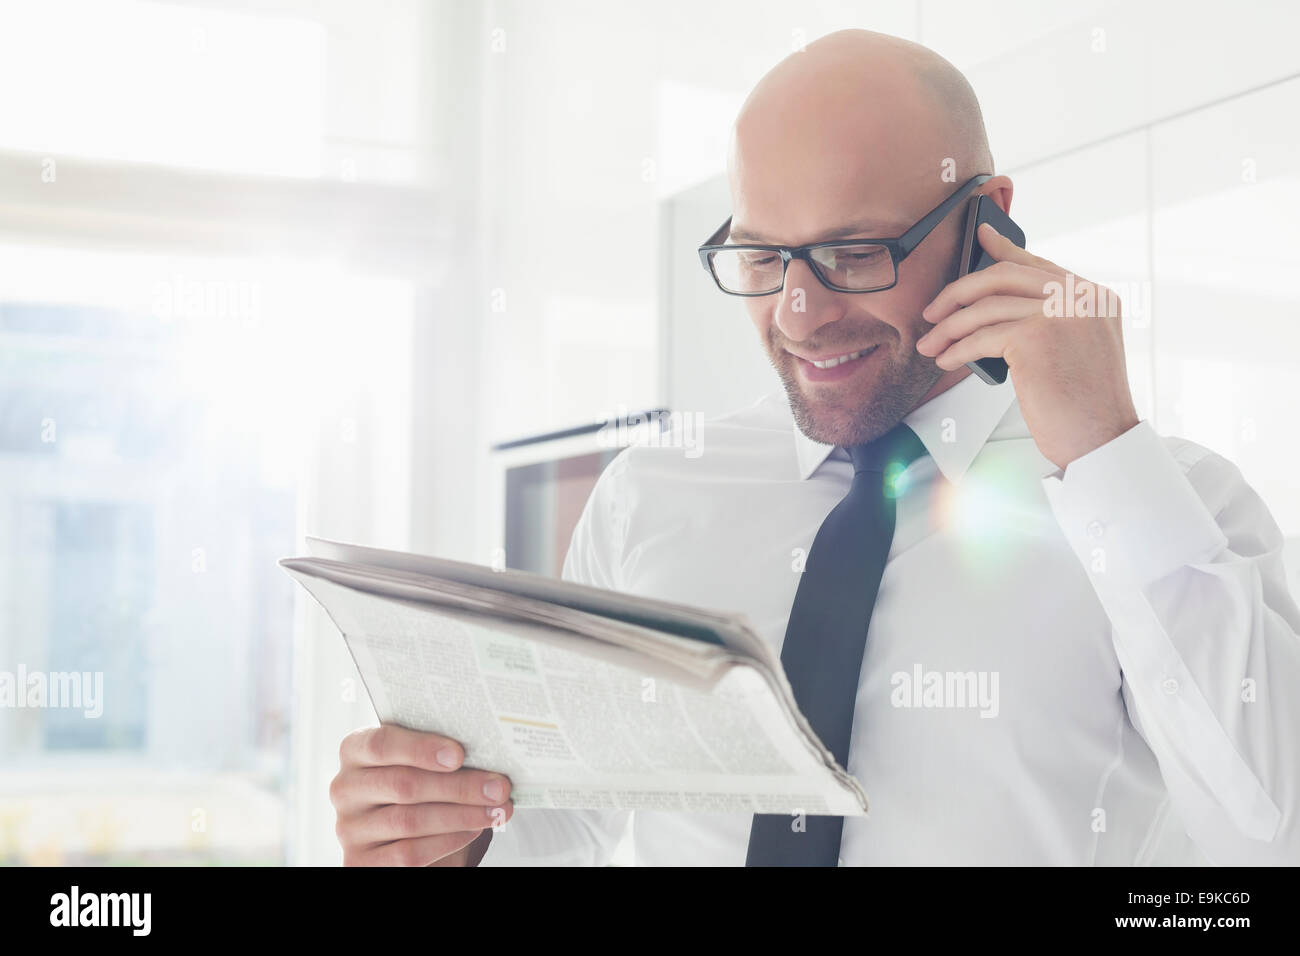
column 1059, row 334
column 403, row 798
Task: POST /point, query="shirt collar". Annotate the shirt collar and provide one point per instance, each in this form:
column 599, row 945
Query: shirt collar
column 954, row 425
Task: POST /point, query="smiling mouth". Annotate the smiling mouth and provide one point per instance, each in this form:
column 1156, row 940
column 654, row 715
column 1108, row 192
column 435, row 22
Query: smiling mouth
column 840, row 359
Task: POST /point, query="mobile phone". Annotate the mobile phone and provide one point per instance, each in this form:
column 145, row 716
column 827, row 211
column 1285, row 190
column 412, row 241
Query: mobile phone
column 973, row 258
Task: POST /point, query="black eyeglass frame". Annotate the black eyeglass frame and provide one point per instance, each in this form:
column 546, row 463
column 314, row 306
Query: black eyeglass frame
column 899, row 248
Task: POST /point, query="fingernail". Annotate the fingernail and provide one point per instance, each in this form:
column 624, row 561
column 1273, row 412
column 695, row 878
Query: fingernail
column 989, row 227
column 448, row 757
column 494, row 790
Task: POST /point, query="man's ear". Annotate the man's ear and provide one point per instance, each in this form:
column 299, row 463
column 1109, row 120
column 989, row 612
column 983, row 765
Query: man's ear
column 999, row 189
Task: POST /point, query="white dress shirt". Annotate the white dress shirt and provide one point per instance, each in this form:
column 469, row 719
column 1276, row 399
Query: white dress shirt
column 1128, row 622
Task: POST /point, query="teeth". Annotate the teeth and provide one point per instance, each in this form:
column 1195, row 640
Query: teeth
column 831, row 363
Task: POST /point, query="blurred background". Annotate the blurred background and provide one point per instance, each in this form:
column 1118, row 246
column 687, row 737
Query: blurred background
column 375, row 271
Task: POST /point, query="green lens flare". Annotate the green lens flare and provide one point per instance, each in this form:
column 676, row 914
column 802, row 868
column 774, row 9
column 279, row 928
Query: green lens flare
column 895, row 481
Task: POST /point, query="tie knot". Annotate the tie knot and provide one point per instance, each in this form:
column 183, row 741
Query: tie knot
column 898, row 447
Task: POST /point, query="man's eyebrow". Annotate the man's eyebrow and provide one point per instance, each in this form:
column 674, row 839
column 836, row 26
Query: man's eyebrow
column 865, row 229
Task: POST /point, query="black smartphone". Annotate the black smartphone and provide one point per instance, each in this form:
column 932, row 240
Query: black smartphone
column 973, row 258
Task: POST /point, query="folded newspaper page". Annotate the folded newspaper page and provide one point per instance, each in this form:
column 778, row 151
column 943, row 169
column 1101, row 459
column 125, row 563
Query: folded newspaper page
column 584, row 698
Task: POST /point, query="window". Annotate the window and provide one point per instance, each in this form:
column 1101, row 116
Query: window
column 159, row 425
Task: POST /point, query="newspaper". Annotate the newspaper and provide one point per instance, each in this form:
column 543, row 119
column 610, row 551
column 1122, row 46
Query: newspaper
column 584, row 698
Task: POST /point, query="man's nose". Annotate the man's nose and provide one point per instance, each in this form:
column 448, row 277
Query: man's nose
column 805, row 305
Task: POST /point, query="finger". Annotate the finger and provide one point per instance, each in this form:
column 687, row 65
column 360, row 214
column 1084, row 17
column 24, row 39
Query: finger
column 1001, row 278
column 361, row 787
column 420, row 851
column 988, row 310
column 992, row 341
column 389, row 745
column 1004, row 250
column 406, row 821
column 456, row 859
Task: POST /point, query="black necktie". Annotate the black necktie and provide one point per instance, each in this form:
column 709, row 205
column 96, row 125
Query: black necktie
column 827, row 632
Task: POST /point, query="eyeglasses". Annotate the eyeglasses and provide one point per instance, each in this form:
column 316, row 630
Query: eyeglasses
column 842, row 265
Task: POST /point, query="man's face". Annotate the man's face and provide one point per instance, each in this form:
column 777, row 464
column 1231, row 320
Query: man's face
column 861, row 398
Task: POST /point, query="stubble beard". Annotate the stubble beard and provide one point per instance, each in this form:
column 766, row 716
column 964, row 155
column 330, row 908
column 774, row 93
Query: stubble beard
column 845, row 417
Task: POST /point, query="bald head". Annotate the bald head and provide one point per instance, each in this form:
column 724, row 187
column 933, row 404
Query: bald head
column 884, row 104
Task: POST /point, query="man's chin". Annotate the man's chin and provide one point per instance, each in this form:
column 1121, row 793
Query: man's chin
column 835, row 416
column 828, row 426
column 824, row 418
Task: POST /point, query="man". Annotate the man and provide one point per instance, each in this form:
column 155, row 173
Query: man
column 1112, row 604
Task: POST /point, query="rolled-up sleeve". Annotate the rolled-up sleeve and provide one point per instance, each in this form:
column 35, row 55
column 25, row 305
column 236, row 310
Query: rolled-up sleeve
column 1186, row 560
column 541, row 837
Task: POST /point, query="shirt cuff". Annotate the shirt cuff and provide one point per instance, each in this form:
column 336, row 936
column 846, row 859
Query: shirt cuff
column 1127, row 508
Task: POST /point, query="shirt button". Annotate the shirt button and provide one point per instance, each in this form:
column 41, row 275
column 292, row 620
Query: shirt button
column 1169, row 685
column 1096, row 529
